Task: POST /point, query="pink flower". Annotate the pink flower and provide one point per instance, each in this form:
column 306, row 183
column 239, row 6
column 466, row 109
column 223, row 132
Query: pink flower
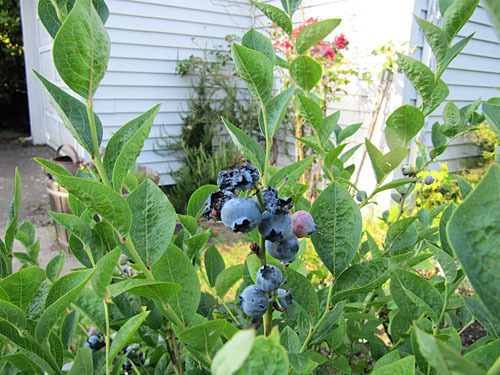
column 340, row 42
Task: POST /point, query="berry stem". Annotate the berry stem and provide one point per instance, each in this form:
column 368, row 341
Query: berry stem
column 262, row 240
column 106, row 338
column 268, row 320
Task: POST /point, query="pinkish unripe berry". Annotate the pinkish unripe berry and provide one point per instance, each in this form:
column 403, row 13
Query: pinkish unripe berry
column 303, row 224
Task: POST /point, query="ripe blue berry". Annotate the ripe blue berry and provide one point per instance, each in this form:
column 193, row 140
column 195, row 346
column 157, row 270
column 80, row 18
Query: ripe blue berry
column 275, row 227
column 428, row 180
column 269, row 278
column 303, row 224
column 286, row 301
column 241, row 214
column 284, row 250
column 359, row 198
column 254, row 301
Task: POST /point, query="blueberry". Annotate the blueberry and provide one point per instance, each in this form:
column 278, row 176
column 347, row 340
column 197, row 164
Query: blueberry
column 275, row 227
column 284, row 250
column 269, row 278
column 242, row 178
column 93, row 341
column 241, row 214
column 285, row 302
column 274, row 204
column 254, row 301
column 127, row 366
column 359, row 198
column 303, row 224
column 428, row 180
column 215, row 202
column 123, row 260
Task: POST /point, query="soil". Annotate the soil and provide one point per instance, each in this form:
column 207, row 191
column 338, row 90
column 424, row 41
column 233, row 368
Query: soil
column 472, row 333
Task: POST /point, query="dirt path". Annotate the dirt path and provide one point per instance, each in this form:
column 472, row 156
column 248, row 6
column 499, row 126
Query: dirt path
column 35, row 197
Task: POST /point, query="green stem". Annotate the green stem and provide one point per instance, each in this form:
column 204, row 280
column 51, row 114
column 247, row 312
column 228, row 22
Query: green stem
column 58, row 10
column 268, row 320
column 262, row 240
column 89, row 254
column 176, row 350
column 106, row 313
column 443, row 311
column 321, row 319
column 268, row 144
column 96, row 155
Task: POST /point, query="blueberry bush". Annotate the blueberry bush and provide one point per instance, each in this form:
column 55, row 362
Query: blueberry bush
column 146, row 301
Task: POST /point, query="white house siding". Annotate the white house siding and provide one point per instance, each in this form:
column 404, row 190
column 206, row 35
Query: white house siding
column 148, row 37
column 473, row 74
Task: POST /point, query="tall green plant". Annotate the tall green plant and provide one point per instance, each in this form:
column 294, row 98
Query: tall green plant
column 153, row 313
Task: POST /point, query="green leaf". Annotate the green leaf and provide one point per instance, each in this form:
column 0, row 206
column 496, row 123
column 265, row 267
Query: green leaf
column 125, row 333
column 440, row 93
column 456, row 16
column 306, row 72
column 349, row 153
column 446, row 262
column 55, row 266
column 67, row 328
column 328, row 325
column 453, row 122
column 27, row 232
column 474, row 236
column 231, row 356
column 12, row 314
column 481, row 313
column 153, row 221
column 276, row 15
column 162, row 290
column 445, row 217
column 387, row 359
column 106, row 232
column 290, row 340
column 188, row 223
column 384, row 164
column 256, row 70
column 333, row 155
column 203, row 337
column 92, row 193
column 310, row 110
column 419, row 74
column 338, row 234
column 315, row 32
column 22, row 363
column 360, row 278
column 275, row 112
column 60, row 296
column 30, row 348
column 174, row 266
column 56, row 348
column 347, row 132
column 303, row 292
column 266, row 357
column 436, row 38
column 92, row 307
column 290, row 6
column 414, row 294
column 81, row 49
column 402, row 125
column 443, row 358
column 249, row 147
column 395, row 184
column 438, row 138
column 196, row 203
column 452, row 53
column 493, row 8
column 405, row 366
column 130, row 142
column 23, row 285
column 227, row 278
column 194, row 245
column 258, row 42
column 79, row 228
column 13, row 217
column 73, row 114
column 330, row 122
column 104, row 271
column 292, row 172
column 83, row 364
column 485, row 355
column 401, row 234
column 214, row 264
column 492, row 110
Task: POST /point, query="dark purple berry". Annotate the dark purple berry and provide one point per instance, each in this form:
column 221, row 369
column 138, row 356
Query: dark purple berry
column 359, row 198
column 242, row 178
column 215, row 202
column 275, row 204
column 286, row 299
column 254, row 301
column 241, row 214
column 275, row 227
column 269, row 278
column 303, row 224
column 284, row 250
column 428, row 180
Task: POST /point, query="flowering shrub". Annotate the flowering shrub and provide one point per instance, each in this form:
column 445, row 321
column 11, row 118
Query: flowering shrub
column 148, row 301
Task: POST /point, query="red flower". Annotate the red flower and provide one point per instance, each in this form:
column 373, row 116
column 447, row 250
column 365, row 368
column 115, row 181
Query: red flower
column 340, row 41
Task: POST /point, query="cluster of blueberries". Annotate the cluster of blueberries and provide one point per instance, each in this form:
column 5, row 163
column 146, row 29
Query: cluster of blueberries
column 95, row 340
column 254, row 300
column 280, row 231
column 132, row 356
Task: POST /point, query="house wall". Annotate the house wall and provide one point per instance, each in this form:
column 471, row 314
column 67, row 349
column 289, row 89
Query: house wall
column 148, row 37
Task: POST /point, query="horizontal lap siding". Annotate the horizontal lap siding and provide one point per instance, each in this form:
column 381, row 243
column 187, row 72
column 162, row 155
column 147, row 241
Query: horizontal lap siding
column 147, row 40
column 474, row 73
